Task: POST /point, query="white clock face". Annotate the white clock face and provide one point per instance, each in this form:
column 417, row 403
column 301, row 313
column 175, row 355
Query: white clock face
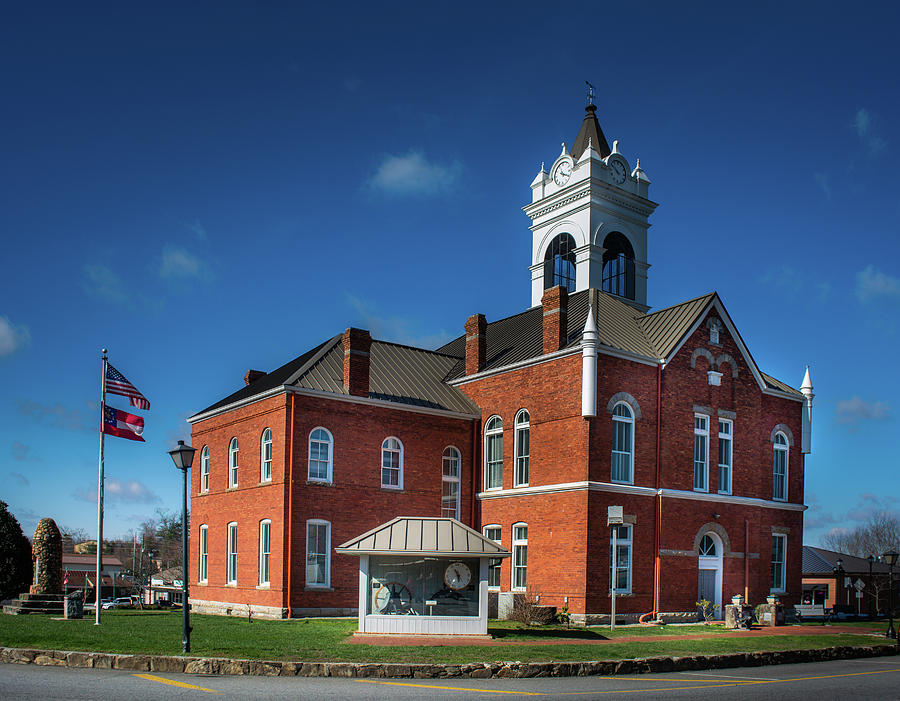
column 457, row 575
column 563, row 173
column 618, row 172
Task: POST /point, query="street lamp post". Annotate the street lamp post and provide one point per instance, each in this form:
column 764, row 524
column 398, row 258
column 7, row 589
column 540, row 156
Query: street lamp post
column 838, row 571
column 183, row 457
column 890, row 558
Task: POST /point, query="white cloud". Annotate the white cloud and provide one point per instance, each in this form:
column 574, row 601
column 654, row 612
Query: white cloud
column 872, row 283
column 413, row 174
column 870, row 504
column 60, row 416
column 12, row 337
column 22, row 453
column 177, row 263
column 862, row 123
column 119, row 491
column 822, row 181
column 856, row 410
column 20, row 478
column 395, row 328
column 104, row 283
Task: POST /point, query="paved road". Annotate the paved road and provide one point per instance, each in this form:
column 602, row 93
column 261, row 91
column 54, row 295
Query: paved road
column 877, row 678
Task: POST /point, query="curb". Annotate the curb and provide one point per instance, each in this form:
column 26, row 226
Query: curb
column 475, row 670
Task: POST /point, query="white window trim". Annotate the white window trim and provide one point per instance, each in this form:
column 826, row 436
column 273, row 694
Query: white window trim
column 781, row 589
column 204, row 469
column 262, row 456
column 518, row 542
column 234, row 457
column 265, row 523
column 203, row 555
column 730, row 438
column 309, row 440
column 524, row 426
column 701, row 432
column 231, row 576
column 399, row 485
column 785, row 448
column 613, row 569
column 631, row 422
column 448, row 478
column 498, row 541
column 327, row 583
column 489, row 434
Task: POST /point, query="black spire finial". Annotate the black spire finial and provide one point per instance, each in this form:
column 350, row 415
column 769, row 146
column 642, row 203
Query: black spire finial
column 590, row 94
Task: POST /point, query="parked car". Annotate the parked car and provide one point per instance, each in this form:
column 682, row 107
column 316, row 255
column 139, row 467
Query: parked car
column 118, row 602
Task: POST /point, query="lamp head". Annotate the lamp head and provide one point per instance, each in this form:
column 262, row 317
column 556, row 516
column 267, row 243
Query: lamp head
column 183, row 456
column 890, row 558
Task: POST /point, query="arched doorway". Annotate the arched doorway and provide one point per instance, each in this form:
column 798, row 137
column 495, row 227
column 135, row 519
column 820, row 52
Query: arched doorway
column 709, row 573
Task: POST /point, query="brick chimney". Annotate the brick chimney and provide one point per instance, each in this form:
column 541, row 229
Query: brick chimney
column 476, row 343
column 357, row 344
column 253, row 376
column 555, row 303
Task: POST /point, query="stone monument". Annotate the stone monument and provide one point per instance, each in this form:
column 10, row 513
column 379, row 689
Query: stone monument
column 46, row 556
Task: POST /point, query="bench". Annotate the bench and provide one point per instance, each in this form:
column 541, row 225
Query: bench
column 805, row 611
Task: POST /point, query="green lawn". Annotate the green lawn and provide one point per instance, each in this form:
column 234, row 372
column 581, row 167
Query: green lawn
column 159, row 632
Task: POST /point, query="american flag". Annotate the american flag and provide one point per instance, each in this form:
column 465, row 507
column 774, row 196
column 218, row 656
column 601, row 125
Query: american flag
column 117, row 384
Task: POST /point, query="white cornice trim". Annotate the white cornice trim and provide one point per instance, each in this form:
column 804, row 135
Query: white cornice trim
column 528, row 362
column 636, row 491
column 782, row 394
column 283, row 389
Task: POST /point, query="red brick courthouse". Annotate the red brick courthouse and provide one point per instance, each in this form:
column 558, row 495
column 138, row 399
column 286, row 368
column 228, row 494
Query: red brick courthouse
column 525, row 428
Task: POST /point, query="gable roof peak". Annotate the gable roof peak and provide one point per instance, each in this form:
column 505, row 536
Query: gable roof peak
column 590, row 133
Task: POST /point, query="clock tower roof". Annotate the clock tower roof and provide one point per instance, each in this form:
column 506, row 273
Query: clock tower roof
column 590, row 132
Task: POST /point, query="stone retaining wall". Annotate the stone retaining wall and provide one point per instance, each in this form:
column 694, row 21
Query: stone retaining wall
column 206, row 665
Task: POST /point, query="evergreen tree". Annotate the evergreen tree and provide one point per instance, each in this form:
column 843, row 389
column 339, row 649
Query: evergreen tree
column 15, row 556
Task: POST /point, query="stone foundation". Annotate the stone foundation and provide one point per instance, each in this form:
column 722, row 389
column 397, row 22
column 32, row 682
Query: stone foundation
column 603, row 619
column 222, row 608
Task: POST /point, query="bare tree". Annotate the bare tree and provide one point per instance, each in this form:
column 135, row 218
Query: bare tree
column 876, row 536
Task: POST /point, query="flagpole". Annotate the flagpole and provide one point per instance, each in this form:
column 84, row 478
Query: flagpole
column 98, row 582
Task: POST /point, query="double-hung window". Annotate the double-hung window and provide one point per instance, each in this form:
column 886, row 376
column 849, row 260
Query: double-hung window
column 318, row 553
column 320, row 455
column 203, row 560
column 523, row 436
column 701, row 452
column 204, row 469
column 493, row 533
column 622, row 444
column 265, row 551
column 233, row 463
column 780, row 468
column 450, row 482
column 231, row 560
column 392, row 464
column 620, row 568
column 726, row 430
column 493, row 453
column 265, row 457
column 520, row 556
column 779, row 560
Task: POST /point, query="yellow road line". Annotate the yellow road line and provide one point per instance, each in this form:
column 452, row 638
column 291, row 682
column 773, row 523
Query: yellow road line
column 450, row 688
column 183, row 685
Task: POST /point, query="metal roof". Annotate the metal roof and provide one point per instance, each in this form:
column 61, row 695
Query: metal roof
column 590, row 131
column 437, row 537
column 821, row 561
column 666, row 327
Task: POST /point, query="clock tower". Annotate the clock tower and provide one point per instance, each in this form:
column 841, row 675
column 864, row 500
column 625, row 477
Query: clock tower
column 590, row 215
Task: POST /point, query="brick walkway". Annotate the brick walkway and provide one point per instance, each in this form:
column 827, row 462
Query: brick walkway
column 426, row 641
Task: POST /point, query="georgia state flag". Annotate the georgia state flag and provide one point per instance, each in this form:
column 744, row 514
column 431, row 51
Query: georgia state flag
column 122, row 424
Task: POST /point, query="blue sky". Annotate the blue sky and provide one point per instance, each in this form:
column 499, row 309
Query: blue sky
column 203, row 188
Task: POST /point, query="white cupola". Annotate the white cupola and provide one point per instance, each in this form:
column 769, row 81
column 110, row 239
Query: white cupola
column 590, row 215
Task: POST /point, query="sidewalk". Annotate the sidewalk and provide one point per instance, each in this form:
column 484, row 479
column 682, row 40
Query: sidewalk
column 433, row 641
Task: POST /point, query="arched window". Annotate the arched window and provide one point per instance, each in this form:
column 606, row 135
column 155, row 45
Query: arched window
column 523, row 441
column 708, row 547
column 320, row 455
column 265, row 458
column 204, row 469
column 622, row 444
column 559, row 263
column 233, row 463
column 618, row 266
column 780, row 468
column 493, row 453
column 392, row 464
column 450, row 488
